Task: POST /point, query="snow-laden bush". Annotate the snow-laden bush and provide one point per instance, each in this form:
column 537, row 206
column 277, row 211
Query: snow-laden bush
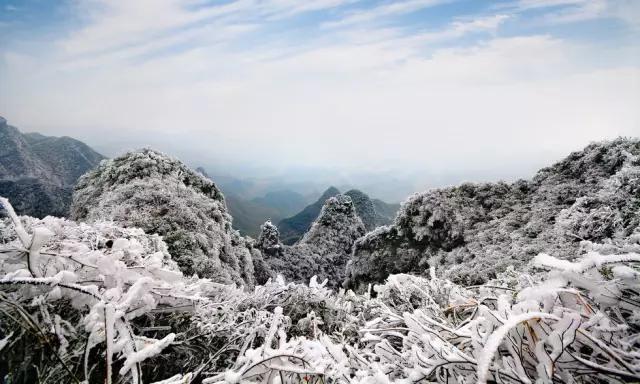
column 578, row 323
column 105, row 304
column 70, row 295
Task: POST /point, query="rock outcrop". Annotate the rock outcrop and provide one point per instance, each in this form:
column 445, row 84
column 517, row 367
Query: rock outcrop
column 293, row 228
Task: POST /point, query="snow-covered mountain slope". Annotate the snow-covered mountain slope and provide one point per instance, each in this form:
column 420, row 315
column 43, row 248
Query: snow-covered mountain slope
column 102, row 303
column 159, row 194
column 106, row 302
column 472, row 232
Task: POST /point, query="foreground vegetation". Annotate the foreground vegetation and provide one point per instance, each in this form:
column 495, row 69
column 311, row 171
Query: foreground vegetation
column 101, row 303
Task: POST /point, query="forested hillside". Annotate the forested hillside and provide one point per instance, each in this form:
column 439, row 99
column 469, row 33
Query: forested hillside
column 532, row 281
column 159, row 194
column 473, row 232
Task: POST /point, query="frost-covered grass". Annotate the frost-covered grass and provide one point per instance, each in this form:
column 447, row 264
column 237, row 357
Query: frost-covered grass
column 100, row 303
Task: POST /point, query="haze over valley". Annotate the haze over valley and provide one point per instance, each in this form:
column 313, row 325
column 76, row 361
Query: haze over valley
column 320, row 191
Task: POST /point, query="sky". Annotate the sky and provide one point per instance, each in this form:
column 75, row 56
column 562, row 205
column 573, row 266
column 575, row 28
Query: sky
column 484, row 89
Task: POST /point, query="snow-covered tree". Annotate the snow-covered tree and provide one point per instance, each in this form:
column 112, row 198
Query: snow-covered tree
column 269, row 239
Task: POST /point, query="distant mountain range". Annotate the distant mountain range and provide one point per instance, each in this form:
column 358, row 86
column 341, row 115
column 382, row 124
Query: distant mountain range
column 286, row 202
column 293, row 211
column 373, row 213
column 37, row 172
column 250, row 213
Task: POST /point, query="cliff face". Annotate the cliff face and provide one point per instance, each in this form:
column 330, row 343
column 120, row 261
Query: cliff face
column 37, row 172
column 473, row 231
column 159, row 194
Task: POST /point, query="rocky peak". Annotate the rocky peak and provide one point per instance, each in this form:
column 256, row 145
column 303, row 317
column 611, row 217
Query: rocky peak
column 293, row 228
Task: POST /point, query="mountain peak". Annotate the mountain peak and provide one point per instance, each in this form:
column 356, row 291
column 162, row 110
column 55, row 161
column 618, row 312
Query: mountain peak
column 324, row 250
column 37, row 172
column 293, row 228
column 329, row 192
column 364, row 207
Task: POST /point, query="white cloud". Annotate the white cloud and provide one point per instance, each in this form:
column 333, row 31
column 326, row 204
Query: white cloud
column 115, row 24
column 571, row 11
column 360, row 97
column 340, row 104
column 385, row 10
column 462, row 27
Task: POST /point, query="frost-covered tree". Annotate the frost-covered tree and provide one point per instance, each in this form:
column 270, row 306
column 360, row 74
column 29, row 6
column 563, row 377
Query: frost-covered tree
column 269, row 239
column 474, row 231
column 159, row 194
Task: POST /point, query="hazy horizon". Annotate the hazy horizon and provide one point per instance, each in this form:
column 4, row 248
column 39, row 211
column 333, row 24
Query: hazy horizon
column 391, row 185
column 424, row 92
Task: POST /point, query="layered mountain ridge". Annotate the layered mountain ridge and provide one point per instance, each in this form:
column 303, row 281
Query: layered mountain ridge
column 37, row 172
column 470, row 233
column 373, row 213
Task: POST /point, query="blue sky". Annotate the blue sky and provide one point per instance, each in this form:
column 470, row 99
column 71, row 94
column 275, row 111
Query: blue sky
column 426, row 85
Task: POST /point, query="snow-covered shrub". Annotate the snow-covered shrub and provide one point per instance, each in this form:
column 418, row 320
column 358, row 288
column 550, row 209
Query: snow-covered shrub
column 152, row 191
column 100, row 303
column 578, row 323
column 70, row 295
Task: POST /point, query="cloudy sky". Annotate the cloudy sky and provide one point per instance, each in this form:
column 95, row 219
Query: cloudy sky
column 493, row 87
